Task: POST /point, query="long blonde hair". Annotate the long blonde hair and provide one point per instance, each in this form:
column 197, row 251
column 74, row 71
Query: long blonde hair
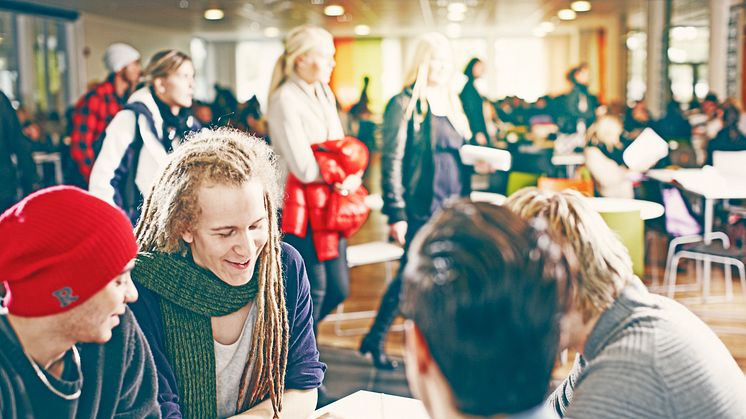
column 227, row 156
column 605, row 266
column 298, row 41
column 416, row 77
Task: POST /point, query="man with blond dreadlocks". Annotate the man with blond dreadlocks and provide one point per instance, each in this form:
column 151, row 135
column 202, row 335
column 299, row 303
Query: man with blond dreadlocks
column 224, row 304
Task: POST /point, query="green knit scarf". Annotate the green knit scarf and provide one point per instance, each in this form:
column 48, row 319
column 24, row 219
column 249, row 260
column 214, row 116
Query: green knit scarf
column 190, row 295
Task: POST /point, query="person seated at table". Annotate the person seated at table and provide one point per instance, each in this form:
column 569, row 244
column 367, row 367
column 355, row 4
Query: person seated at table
column 603, row 158
column 225, row 306
column 641, row 355
column 69, row 347
column 730, row 138
column 482, row 290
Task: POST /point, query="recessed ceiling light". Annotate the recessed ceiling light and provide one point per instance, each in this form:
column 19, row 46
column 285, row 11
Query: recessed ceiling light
column 362, row 30
column 271, row 32
column 183, row 4
column 214, row 14
column 566, row 14
column 539, row 33
column 581, row 6
column 457, row 7
column 334, row 10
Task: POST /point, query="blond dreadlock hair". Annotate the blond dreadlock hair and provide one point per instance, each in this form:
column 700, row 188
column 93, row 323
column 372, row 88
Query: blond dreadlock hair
column 227, row 156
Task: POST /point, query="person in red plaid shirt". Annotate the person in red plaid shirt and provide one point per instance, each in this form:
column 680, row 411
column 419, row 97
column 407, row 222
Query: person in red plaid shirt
column 95, row 109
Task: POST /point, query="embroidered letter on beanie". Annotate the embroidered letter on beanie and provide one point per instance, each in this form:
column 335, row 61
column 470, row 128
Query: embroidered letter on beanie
column 65, row 295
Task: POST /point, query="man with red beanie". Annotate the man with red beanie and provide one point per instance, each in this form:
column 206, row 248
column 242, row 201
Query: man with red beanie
column 70, row 346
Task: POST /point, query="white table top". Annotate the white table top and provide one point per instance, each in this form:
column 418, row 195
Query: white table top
column 369, row 405
column 648, row 210
column 572, row 159
column 706, row 182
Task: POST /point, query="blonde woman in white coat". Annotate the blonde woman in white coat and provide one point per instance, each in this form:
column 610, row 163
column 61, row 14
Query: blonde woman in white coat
column 302, row 111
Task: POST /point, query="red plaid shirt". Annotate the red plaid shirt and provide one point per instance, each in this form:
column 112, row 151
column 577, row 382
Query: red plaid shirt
column 92, row 115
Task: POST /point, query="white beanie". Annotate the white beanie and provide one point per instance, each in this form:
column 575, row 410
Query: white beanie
column 119, row 55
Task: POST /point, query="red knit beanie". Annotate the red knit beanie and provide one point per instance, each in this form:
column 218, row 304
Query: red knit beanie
column 59, row 247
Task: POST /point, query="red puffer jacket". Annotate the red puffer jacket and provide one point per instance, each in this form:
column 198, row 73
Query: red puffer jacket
column 330, row 213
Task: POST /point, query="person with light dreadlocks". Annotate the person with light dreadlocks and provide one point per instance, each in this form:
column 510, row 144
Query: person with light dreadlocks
column 224, row 304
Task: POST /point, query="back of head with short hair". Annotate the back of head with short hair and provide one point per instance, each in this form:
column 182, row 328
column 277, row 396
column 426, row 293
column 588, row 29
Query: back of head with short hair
column 485, row 288
column 605, row 265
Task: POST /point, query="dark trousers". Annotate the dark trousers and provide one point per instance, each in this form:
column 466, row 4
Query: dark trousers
column 330, row 280
column 389, row 308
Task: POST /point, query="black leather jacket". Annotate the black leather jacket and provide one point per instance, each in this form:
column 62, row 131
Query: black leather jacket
column 407, row 163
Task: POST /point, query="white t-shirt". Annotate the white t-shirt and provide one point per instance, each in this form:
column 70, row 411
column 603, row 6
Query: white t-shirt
column 229, row 365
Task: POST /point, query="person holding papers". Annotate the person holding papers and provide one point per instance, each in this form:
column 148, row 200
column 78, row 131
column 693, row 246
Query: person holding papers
column 424, row 127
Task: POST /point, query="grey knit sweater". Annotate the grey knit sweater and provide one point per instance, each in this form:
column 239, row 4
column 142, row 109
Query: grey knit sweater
column 650, row 357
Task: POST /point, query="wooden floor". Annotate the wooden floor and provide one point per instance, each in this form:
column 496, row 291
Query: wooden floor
column 727, row 319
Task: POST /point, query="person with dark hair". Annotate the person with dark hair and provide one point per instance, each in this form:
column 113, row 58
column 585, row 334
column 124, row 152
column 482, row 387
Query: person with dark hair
column 360, row 119
column 95, row 110
column 473, row 102
column 637, row 118
column 730, row 138
column 674, row 125
column 71, row 347
column 14, row 144
column 580, row 104
column 483, row 291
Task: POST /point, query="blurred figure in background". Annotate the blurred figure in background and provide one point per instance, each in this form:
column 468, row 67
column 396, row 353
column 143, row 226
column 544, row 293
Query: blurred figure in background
column 637, row 118
column 473, row 102
column 95, row 110
column 423, row 128
column 17, row 167
column 603, row 158
column 302, row 112
column 580, row 105
column 730, row 138
column 361, row 125
column 137, row 142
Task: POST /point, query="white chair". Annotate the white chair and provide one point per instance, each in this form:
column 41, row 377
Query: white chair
column 706, row 254
column 359, row 255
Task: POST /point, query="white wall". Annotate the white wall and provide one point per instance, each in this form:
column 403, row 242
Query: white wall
column 97, row 32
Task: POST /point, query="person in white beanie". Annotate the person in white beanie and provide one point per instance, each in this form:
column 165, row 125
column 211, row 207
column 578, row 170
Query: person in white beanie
column 97, row 107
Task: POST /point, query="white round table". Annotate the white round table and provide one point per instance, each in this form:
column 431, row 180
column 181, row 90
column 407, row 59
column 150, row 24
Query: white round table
column 648, row 209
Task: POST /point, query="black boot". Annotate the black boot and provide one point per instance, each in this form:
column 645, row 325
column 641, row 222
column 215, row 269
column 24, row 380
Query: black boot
column 373, row 343
column 376, row 351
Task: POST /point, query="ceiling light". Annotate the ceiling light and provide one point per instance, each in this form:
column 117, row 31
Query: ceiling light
column 581, row 6
column 455, row 17
column 183, row 4
column 334, row 10
column 539, row 33
column 362, row 30
column 566, row 14
column 214, row 14
column 271, row 32
column 453, row 30
column 317, row 1
column 457, row 7
column 546, row 26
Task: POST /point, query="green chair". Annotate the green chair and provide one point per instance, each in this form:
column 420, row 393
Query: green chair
column 520, row 180
column 630, row 229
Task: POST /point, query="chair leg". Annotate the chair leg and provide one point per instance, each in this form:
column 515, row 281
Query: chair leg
column 672, row 276
column 742, row 274
column 706, row 278
column 728, row 282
